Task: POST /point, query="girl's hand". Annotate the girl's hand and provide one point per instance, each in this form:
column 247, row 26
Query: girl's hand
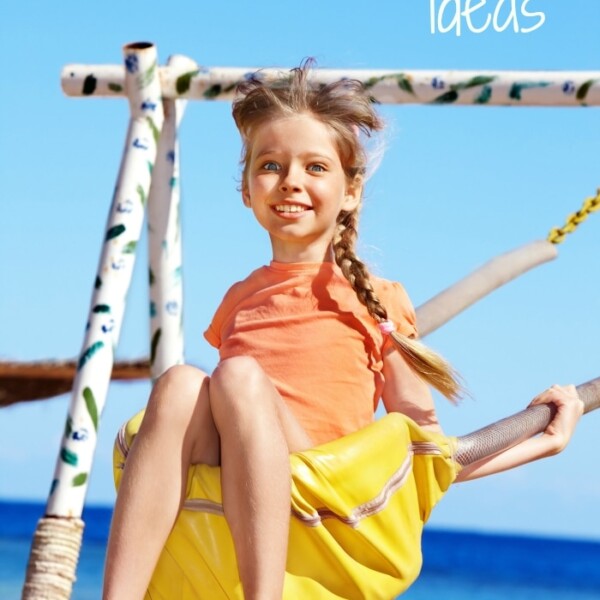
column 552, row 441
column 569, row 410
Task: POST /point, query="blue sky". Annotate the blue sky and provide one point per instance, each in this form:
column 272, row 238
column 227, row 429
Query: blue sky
column 457, row 186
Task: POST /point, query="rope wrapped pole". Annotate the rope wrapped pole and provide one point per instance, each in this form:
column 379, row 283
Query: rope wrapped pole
column 504, row 268
column 447, row 304
column 482, row 88
column 49, row 575
column 164, row 239
column 519, row 427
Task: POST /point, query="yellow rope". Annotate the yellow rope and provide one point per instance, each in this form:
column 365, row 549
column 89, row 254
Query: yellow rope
column 590, row 205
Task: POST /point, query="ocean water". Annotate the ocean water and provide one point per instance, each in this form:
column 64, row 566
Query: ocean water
column 458, row 565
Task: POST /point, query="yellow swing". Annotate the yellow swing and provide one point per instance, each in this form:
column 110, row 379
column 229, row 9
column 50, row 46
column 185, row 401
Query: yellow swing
column 359, row 504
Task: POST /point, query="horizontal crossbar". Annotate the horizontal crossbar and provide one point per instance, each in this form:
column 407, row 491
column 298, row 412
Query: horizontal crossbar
column 483, row 88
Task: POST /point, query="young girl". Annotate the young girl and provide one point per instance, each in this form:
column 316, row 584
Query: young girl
column 308, row 345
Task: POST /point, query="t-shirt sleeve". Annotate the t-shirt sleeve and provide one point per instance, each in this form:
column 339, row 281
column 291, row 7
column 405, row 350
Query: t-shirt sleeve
column 213, row 332
column 212, row 335
column 399, row 308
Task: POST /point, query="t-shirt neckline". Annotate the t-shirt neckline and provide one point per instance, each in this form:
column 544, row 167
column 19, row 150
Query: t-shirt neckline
column 299, row 267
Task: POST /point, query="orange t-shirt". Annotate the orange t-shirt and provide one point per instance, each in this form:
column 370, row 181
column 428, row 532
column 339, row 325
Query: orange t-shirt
column 317, row 343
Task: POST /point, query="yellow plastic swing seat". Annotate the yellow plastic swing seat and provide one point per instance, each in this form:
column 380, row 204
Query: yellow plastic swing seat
column 358, row 509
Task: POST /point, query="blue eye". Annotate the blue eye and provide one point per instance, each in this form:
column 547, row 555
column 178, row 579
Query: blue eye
column 271, row 166
column 316, row 168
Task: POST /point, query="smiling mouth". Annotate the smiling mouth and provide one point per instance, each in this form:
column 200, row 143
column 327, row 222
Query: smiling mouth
column 290, row 208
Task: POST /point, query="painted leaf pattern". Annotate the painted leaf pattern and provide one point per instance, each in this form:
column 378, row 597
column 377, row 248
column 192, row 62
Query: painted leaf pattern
column 115, row 231
column 516, row 89
column 182, row 85
column 447, row 98
column 142, row 194
column 101, row 308
column 89, row 85
column 485, row 95
column 92, row 408
column 213, row 91
column 584, row 89
column 69, row 457
column 147, row 76
column 130, row 247
column 80, row 479
column 68, row 427
column 473, row 82
column 89, row 352
column 154, row 345
column 154, row 129
column 404, row 83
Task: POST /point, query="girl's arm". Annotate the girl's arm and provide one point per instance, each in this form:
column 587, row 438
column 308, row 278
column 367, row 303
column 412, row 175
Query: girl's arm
column 405, row 392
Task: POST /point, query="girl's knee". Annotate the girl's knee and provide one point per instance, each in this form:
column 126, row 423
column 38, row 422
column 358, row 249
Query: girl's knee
column 178, row 415
column 239, row 383
column 237, row 372
column 241, row 394
column 176, row 392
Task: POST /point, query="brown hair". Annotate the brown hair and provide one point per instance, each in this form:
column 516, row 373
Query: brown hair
column 348, row 110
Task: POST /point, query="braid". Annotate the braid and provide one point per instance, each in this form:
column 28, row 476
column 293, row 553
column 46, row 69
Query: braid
column 429, row 365
column 354, row 270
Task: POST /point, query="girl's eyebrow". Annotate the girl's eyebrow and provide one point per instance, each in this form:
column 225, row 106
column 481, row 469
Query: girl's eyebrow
column 305, row 155
column 264, row 152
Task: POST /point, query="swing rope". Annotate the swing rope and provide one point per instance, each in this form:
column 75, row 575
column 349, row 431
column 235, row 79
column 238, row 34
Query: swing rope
column 590, row 205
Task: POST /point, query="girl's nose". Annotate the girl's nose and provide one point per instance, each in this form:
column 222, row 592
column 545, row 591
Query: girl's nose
column 290, row 182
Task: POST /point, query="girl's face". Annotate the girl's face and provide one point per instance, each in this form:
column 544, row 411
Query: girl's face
column 296, row 187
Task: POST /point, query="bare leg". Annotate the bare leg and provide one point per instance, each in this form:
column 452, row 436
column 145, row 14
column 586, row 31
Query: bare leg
column 183, row 425
column 257, row 434
column 177, row 423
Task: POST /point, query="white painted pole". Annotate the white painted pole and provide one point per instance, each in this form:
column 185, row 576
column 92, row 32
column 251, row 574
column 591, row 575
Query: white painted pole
column 164, row 238
column 485, row 88
column 56, row 537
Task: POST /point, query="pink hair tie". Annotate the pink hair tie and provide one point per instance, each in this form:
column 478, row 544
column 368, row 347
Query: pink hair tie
column 386, row 327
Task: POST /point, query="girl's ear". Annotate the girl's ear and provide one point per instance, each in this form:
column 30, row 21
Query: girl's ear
column 353, row 194
column 245, row 196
